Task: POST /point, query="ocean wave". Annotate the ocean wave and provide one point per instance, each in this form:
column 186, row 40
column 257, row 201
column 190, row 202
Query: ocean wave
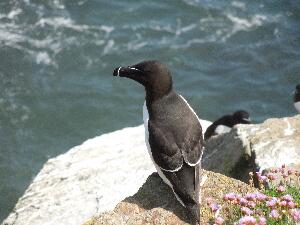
column 246, row 24
column 192, row 2
column 44, row 58
column 191, row 42
column 109, row 47
column 180, row 30
column 239, row 5
column 65, row 22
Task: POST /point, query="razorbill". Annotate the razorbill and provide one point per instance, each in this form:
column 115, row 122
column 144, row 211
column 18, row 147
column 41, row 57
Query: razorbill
column 173, row 133
column 297, row 98
column 225, row 123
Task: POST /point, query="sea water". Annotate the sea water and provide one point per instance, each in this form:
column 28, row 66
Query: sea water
column 57, row 59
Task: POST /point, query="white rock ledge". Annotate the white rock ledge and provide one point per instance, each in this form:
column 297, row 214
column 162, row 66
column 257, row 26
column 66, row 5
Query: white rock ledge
column 88, row 179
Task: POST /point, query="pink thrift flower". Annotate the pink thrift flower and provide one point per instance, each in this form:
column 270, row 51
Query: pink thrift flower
column 280, row 189
column 261, row 197
column 243, row 201
column 247, row 220
column 291, row 205
column 251, row 204
column 214, row 207
column 262, row 221
column 284, row 175
column 250, row 196
column 271, row 176
column 230, row 196
column 272, row 202
column 274, row 214
column 259, row 212
column 287, row 198
column 295, row 213
column 219, row 220
column 283, row 203
column 246, row 211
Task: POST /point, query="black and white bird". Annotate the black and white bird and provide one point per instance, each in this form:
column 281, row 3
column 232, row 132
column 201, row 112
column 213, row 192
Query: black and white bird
column 173, row 133
column 297, row 98
column 225, row 123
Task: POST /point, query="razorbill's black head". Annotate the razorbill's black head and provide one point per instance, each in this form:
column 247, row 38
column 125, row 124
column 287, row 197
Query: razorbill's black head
column 297, row 98
column 153, row 75
column 241, row 116
column 173, row 133
column 225, row 123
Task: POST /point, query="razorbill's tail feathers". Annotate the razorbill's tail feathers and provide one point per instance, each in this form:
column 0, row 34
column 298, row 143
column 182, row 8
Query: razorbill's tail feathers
column 225, row 123
column 173, row 133
column 297, row 98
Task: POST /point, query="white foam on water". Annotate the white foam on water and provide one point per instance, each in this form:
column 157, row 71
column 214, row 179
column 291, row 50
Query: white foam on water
column 10, row 37
column 14, row 13
column 58, row 4
column 55, row 22
column 65, row 22
column 243, row 24
column 164, row 28
column 185, row 29
column 43, row 58
column 246, row 24
column 192, row 2
column 189, row 43
column 239, row 5
column 109, row 47
column 107, row 29
column 82, row 2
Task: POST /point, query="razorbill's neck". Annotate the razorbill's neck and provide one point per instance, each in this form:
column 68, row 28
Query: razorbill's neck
column 173, row 133
column 225, row 123
column 297, row 98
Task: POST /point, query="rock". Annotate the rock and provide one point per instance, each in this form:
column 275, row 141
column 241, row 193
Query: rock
column 96, row 175
column 155, row 203
column 274, row 142
column 88, row 179
column 270, row 144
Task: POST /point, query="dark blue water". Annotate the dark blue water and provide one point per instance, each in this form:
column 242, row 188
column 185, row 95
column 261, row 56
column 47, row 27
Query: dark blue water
column 57, row 58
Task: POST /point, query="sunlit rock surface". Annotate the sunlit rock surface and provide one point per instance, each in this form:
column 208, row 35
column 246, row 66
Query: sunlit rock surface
column 87, row 180
column 269, row 144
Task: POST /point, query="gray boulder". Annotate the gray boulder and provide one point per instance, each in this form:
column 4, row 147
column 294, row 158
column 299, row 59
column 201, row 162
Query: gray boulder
column 257, row 146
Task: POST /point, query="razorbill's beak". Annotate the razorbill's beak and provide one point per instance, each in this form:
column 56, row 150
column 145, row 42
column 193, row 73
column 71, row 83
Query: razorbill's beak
column 130, row 72
column 126, row 71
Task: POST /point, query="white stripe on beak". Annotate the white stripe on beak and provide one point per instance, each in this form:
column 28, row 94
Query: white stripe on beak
column 247, row 119
column 134, row 68
column 119, row 70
